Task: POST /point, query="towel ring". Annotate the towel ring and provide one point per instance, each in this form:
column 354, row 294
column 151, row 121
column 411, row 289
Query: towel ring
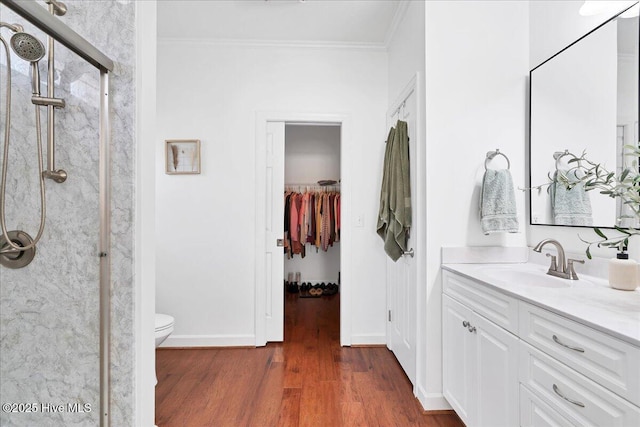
column 560, row 154
column 492, row 154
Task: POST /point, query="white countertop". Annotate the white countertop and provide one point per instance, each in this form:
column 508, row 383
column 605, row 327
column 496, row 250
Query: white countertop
column 589, row 300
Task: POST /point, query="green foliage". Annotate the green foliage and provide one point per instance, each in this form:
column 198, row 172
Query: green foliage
column 624, row 186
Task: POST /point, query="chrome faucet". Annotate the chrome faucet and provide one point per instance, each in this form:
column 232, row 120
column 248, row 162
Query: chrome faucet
column 558, row 266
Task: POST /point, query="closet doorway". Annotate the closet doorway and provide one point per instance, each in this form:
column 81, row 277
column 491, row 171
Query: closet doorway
column 312, row 202
column 297, row 154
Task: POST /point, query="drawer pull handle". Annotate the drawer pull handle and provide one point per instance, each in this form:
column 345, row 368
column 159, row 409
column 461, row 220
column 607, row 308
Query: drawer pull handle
column 468, row 325
column 575, row 402
column 555, row 338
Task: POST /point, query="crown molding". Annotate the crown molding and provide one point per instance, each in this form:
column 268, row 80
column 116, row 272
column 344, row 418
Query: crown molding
column 381, row 47
column 401, row 11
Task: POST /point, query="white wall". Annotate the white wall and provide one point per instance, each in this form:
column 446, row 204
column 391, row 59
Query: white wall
column 477, row 61
column 312, row 153
column 406, row 49
column 628, row 89
column 554, row 25
column 205, row 223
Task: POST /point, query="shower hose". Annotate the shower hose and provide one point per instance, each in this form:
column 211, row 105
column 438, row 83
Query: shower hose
column 5, row 160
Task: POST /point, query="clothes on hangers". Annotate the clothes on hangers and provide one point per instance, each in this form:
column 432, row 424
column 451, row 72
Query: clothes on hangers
column 312, row 217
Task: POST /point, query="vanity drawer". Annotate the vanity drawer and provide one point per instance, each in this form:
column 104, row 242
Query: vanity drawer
column 495, row 306
column 534, row 412
column 606, row 360
column 572, row 395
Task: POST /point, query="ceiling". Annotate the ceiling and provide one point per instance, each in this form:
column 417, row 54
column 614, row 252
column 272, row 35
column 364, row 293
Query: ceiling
column 350, row 22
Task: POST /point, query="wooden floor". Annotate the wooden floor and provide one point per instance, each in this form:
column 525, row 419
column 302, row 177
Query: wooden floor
column 309, row 380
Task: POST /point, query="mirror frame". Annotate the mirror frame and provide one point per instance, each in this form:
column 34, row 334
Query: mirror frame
column 529, row 142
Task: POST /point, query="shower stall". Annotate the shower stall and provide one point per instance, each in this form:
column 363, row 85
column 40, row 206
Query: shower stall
column 55, row 246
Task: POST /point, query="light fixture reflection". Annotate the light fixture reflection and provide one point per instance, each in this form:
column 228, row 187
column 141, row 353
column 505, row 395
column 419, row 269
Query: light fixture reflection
column 590, row 8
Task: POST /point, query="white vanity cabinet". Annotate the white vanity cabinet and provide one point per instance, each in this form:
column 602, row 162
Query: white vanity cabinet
column 510, row 362
column 480, row 358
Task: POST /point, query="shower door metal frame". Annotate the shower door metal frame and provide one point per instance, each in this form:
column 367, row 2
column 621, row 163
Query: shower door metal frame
column 57, row 29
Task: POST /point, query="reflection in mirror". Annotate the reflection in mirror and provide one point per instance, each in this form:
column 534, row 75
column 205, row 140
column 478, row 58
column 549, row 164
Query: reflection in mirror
column 584, row 99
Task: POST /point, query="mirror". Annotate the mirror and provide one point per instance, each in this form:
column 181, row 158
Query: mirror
column 583, row 99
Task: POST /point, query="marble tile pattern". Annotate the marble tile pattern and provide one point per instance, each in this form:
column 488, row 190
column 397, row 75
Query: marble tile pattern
column 49, row 310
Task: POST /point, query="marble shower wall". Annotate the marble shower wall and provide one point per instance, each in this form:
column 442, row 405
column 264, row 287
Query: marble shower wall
column 49, row 310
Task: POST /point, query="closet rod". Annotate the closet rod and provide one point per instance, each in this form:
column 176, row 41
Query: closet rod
column 314, row 187
column 309, row 184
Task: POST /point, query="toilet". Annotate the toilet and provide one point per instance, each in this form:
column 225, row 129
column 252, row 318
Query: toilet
column 164, row 327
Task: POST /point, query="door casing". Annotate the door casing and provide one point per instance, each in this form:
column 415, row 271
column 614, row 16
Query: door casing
column 262, row 118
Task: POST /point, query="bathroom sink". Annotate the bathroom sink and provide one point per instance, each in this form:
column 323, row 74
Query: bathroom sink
column 528, row 277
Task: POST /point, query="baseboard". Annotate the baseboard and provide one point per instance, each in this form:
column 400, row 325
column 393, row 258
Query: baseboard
column 432, row 401
column 366, row 339
column 181, row 341
column 440, row 412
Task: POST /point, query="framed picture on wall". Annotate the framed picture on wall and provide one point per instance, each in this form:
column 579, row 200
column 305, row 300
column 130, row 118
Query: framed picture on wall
column 182, row 156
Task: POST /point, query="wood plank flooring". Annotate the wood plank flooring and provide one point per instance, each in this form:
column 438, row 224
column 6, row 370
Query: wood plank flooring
column 309, row 380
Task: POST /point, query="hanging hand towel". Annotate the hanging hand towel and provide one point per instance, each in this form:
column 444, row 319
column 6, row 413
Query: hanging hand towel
column 571, row 206
column 383, row 213
column 498, row 202
column 394, row 220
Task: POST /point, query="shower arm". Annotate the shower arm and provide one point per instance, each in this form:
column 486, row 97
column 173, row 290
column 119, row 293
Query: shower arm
column 16, row 28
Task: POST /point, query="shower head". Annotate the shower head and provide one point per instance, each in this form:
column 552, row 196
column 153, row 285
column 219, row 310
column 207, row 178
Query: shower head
column 30, row 49
column 27, row 47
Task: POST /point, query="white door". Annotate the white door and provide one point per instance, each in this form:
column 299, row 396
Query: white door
column 402, row 274
column 496, row 393
column 274, row 231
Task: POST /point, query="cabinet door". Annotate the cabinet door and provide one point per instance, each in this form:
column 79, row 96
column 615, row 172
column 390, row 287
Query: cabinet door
column 459, row 355
column 496, row 393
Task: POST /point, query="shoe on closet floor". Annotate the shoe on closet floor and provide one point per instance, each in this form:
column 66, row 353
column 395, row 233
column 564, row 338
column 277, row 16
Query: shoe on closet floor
column 313, row 293
column 331, row 289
